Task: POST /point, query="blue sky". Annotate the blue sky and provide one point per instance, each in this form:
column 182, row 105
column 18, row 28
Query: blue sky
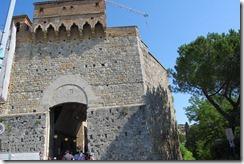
column 171, row 23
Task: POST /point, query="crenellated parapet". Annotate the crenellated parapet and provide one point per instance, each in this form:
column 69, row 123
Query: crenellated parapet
column 62, row 31
column 63, row 20
column 68, row 24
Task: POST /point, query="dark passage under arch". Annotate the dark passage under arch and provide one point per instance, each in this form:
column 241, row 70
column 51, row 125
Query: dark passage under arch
column 68, row 129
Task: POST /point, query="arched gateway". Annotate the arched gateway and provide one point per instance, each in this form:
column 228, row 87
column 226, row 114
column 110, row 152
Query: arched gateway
column 68, row 99
column 68, row 129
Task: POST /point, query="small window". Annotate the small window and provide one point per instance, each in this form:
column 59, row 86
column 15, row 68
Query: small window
column 71, row 7
column 64, row 8
column 97, row 4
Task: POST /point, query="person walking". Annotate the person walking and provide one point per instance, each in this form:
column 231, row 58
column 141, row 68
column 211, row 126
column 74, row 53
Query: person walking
column 68, row 156
column 80, row 156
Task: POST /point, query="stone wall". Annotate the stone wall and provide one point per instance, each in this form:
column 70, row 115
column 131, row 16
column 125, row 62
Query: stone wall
column 155, row 77
column 111, row 66
column 122, row 133
column 132, row 117
column 162, row 123
column 119, row 133
column 154, row 73
column 160, row 108
column 142, row 132
column 24, row 133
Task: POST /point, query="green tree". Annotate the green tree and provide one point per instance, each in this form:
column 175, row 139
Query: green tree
column 186, row 154
column 210, row 67
column 206, row 139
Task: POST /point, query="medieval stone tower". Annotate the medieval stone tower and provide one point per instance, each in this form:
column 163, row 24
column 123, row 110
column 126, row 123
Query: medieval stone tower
column 76, row 83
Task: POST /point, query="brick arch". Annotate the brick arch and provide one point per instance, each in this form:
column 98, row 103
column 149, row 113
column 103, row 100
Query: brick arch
column 51, row 24
column 74, row 23
column 87, row 30
column 62, row 31
column 74, row 31
column 62, row 24
column 95, row 21
column 37, row 26
column 99, row 29
column 83, row 23
column 68, row 88
column 51, row 33
column 39, row 33
column 69, row 25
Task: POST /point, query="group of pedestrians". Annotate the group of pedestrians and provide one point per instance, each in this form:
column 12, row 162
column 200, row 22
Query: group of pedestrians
column 79, row 156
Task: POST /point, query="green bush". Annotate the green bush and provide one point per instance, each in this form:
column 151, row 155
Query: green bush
column 186, row 154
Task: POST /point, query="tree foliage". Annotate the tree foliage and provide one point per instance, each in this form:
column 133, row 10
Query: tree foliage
column 206, row 139
column 186, row 154
column 210, row 67
column 182, row 138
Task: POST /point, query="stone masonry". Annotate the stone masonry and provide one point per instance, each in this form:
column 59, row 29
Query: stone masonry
column 67, row 54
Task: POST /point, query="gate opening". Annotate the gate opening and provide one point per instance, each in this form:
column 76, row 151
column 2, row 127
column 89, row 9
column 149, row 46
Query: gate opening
column 68, row 129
